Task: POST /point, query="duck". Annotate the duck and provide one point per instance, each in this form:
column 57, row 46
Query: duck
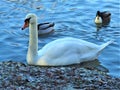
column 43, row 28
column 103, row 18
column 62, row 51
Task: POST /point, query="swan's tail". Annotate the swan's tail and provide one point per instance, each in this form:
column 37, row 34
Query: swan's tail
column 105, row 45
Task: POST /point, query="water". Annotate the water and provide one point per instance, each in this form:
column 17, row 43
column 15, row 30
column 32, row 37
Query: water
column 72, row 18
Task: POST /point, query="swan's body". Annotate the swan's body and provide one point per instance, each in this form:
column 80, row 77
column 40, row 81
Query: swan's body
column 102, row 18
column 63, row 51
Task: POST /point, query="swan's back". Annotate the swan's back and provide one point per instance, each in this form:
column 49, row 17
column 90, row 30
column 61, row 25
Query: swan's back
column 67, row 43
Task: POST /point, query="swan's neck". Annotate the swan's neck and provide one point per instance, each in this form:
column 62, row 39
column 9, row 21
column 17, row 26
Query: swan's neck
column 33, row 44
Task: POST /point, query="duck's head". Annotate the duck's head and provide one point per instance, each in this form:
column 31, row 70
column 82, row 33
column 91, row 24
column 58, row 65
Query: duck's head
column 98, row 13
column 98, row 19
column 30, row 19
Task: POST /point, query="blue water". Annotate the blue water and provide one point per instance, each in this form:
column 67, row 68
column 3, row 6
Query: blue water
column 73, row 18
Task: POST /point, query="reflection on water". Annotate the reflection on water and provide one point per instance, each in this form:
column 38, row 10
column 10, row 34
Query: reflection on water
column 72, row 18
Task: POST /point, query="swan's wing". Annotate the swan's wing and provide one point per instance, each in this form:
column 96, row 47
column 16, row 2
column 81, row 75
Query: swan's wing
column 69, row 41
column 61, row 46
column 66, row 51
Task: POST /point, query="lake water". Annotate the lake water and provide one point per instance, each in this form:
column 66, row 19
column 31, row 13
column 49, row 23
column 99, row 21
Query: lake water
column 73, row 18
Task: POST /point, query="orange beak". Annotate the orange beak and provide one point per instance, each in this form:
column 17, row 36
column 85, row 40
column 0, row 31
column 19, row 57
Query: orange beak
column 26, row 24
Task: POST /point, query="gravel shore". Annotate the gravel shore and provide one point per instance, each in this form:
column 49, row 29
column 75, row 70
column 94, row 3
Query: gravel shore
column 19, row 76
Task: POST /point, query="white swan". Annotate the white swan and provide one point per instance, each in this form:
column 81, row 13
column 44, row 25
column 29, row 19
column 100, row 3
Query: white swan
column 43, row 28
column 63, row 51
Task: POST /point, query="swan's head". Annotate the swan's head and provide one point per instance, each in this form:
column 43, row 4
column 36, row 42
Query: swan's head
column 30, row 19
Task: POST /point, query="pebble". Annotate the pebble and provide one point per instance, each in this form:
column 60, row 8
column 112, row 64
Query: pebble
column 18, row 76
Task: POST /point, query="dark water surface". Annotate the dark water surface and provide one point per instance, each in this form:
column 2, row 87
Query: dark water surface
column 72, row 18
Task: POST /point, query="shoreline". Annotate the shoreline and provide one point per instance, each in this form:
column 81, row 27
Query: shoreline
column 20, row 76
